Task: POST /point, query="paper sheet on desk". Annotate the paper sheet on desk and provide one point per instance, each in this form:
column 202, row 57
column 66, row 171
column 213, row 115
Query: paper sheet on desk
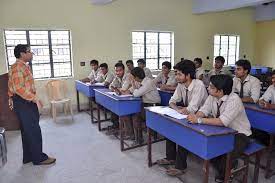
column 88, row 83
column 98, row 84
column 114, row 93
column 168, row 112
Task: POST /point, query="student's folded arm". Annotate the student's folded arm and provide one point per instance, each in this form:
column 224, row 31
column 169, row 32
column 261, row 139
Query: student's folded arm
column 207, row 107
column 197, row 101
column 267, row 95
column 213, row 121
column 232, row 110
column 140, row 91
column 177, row 97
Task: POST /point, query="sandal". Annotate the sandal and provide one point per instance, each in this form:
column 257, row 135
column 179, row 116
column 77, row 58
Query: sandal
column 165, row 162
column 174, row 172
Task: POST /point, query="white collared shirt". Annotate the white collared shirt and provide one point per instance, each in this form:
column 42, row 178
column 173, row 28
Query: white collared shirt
column 232, row 112
column 222, row 71
column 94, row 74
column 171, row 80
column 269, row 95
column 148, row 72
column 108, row 77
column 199, row 71
column 251, row 88
column 122, row 83
column 148, row 91
column 197, row 95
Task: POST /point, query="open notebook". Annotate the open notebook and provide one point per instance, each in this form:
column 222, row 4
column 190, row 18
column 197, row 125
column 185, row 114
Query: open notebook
column 168, row 112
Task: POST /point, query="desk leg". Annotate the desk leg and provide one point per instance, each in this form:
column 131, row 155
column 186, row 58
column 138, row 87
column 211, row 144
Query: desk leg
column 77, row 100
column 227, row 168
column 121, row 133
column 91, row 109
column 268, row 171
column 149, row 147
column 205, row 171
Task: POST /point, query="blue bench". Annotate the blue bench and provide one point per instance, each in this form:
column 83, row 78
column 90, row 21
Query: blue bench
column 253, row 148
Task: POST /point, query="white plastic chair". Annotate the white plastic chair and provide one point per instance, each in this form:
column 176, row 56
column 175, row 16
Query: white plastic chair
column 57, row 93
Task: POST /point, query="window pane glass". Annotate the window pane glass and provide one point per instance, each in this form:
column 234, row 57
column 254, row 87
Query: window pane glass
column 216, row 50
column 61, row 53
column 152, row 63
column 15, row 37
column 165, row 51
column 151, row 38
column 151, row 51
column 62, row 69
column 41, row 54
column 165, row 38
column 38, row 37
column 60, row 37
column 138, row 37
column 41, row 70
column 217, row 39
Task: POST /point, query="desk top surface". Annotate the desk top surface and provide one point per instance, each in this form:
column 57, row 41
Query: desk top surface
column 165, row 91
column 207, row 130
column 89, row 85
column 115, row 97
column 257, row 108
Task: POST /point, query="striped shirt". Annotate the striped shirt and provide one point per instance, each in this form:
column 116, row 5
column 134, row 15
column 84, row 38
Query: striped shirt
column 21, row 81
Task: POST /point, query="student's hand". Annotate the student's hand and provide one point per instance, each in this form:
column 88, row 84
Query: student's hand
column 127, row 92
column 11, row 104
column 267, row 105
column 192, row 118
column 93, row 82
column 183, row 110
column 163, row 87
column 261, row 103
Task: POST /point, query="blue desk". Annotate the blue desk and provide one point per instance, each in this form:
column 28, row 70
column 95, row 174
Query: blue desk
column 87, row 90
column 121, row 106
column 205, row 141
column 165, row 97
column 264, row 120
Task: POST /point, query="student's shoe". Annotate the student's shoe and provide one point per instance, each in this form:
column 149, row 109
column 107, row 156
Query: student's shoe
column 220, row 179
column 48, row 161
column 165, row 161
column 26, row 161
column 175, row 172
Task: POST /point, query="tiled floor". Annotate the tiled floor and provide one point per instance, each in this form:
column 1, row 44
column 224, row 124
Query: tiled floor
column 85, row 155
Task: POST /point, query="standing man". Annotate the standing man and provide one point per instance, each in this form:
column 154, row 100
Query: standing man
column 24, row 101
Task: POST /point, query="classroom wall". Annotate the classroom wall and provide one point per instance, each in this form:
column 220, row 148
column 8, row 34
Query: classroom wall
column 104, row 32
column 265, row 43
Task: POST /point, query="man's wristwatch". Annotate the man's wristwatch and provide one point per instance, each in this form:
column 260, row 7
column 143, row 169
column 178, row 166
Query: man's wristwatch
column 199, row 121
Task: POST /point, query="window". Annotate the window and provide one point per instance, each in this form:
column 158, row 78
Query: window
column 51, row 48
column 228, row 47
column 154, row 47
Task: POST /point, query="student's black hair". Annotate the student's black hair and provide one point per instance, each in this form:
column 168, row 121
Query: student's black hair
column 130, row 62
column 220, row 58
column 273, row 72
column 95, row 62
column 20, row 48
column 186, row 67
column 138, row 72
column 245, row 64
column 222, row 82
column 104, row 65
column 199, row 60
column 167, row 64
column 119, row 64
column 141, row 61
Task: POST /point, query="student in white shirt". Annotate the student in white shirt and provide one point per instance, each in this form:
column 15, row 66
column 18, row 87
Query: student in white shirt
column 121, row 83
column 193, row 94
column 166, row 80
column 130, row 65
column 224, row 108
column 147, row 71
column 106, row 77
column 147, row 90
column 246, row 86
column 94, row 73
column 267, row 101
column 199, row 70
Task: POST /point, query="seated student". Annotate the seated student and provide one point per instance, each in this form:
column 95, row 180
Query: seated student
column 120, row 83
column 94, row 73
column 224, row 108
column 246, row 86
column 267, row 101
column 166, row 79
column 218, row 67
column 199, row 70
column 142, row 64
column 193, row 94
column 130, row 65
column 150, row 97
column 106, row 77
